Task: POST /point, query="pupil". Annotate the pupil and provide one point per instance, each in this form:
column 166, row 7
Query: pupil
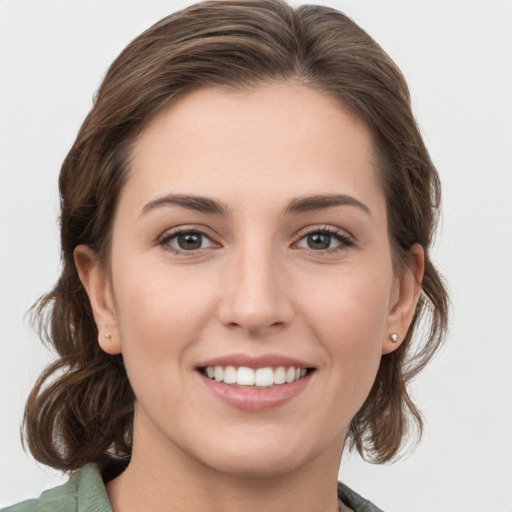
column 319, row 241
column 189, row 241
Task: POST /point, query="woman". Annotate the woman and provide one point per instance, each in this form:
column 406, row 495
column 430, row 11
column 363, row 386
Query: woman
column 246, row 217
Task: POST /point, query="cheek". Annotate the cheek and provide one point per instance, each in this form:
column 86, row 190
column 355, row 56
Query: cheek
column 159, row 312
column 348, row 315
column 161, row 316
column 351, row 307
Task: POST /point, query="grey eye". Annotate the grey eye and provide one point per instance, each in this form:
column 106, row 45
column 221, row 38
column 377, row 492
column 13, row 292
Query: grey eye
column 318, row 241
column 189, row 241
column 324, row 240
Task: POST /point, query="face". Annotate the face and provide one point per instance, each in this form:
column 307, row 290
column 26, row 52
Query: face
column 251, row 291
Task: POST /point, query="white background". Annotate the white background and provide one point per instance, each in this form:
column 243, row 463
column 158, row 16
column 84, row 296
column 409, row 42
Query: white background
column 457, row 57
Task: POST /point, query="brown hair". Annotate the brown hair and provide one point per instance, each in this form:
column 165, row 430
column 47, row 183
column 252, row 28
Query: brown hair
column 81, row 408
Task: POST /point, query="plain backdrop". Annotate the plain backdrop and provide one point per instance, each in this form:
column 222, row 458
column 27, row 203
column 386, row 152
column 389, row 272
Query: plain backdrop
column 457, row 58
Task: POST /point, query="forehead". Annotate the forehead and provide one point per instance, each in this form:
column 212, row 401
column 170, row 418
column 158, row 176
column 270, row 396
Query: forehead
column 273, row 138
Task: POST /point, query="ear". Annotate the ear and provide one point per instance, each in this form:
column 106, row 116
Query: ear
column 96, row 282
column 404, row 298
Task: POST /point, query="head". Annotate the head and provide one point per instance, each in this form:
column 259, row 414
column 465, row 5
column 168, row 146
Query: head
column 216, row 50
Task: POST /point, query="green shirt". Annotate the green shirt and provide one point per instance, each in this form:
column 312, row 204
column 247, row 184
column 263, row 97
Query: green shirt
column 85, row 492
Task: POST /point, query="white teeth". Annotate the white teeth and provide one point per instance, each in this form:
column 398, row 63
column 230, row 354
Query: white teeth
column 279, row 375
column 230, row 375
column 261, row 377
column 264, row 377
column 219, row 373
column 245, row 376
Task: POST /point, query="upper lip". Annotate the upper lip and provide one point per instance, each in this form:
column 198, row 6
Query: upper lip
column 262, row 361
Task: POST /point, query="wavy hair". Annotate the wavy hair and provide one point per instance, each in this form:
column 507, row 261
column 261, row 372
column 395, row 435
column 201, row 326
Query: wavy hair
column 81, row 408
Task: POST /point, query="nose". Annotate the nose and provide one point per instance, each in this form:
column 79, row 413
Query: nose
column 255, row 296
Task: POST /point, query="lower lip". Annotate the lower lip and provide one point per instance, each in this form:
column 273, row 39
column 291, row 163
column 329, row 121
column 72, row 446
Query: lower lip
column 256, row 399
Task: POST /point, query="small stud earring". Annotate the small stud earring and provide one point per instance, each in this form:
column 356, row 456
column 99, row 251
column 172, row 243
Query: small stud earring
column 108, row 338
column 394, row 337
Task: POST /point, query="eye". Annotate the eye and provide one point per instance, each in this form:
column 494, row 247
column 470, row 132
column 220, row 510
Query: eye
column 186, row 241
column 324, row 240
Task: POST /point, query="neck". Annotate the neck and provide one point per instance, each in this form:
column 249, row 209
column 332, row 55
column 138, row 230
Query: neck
column 170, row 480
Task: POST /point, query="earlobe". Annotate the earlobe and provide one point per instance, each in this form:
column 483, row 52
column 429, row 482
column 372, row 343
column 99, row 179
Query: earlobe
column 404, row 307
column 97, row 284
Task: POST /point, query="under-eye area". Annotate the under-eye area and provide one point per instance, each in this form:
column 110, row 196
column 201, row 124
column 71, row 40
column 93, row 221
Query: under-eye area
column 256, row 377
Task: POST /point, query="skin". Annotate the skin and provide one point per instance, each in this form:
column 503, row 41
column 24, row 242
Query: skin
column 255, row 286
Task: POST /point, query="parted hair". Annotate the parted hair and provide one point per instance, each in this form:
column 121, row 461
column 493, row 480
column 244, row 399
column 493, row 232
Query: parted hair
column 81, row 408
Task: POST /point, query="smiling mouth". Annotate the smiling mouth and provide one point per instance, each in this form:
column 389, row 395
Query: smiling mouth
column 255, row 378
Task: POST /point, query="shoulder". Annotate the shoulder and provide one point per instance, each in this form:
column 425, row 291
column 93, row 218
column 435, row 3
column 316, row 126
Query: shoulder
column 83, row 492
column 354, row 501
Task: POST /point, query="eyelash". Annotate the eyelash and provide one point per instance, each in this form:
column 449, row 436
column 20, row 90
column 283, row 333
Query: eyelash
column 344, row 240
column 165, row 240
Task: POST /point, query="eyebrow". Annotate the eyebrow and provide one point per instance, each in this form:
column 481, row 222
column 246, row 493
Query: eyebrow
column 197, row 203
column 320, row 202
column 298, row 205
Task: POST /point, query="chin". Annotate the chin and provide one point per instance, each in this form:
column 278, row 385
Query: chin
column 255, row 465
column 258, row 456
